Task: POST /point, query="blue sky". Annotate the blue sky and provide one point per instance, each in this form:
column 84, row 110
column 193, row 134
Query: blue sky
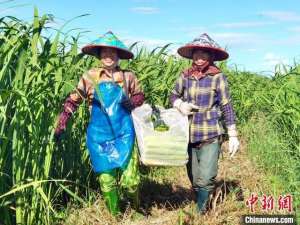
column 258, row 34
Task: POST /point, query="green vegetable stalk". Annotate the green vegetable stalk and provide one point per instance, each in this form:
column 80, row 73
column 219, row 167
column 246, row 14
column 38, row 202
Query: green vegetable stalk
column 158, row 123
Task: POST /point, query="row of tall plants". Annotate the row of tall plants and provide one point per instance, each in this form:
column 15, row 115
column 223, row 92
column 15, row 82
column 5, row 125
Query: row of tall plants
column 39, row 176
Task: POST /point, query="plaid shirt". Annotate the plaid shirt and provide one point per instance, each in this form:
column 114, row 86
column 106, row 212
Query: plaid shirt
column 212, row 95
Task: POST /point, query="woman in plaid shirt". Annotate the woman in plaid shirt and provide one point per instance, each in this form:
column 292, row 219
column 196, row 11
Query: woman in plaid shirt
column 201, row 92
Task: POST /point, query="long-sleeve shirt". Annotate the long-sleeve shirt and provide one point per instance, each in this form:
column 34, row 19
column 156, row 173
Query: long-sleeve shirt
column 85, row 90
column 212, row 95
column 85, row 87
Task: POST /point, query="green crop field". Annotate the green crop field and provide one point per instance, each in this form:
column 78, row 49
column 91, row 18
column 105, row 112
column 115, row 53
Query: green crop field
column 38, row 177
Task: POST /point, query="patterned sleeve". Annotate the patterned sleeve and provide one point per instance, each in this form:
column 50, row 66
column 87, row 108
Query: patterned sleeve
column 79, row 93
column 225, row 100
column 135, row 91
column 71, row 104
column 177, row 91
column 223, row 90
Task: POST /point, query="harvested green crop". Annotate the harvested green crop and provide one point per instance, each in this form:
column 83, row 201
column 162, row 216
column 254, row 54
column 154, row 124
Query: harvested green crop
column 158, row 123
column 165, row 150
column 165, row 145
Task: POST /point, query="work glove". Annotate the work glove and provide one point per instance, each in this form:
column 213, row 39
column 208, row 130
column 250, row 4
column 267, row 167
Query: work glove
column 185, row 108
column 233, row 140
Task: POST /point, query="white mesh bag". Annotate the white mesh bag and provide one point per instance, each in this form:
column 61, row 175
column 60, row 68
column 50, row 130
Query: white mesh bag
column 161, row 148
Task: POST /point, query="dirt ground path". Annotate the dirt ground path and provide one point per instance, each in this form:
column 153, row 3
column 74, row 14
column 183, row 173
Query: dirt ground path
column 170, row 201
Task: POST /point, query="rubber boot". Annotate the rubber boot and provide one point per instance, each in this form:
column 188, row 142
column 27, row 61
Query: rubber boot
column 202, row 199
column 111, row 199
column 134, row 197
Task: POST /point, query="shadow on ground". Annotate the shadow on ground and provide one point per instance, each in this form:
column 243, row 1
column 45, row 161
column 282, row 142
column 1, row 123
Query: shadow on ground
column 171, row 196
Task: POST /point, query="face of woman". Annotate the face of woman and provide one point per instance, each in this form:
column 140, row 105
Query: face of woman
column 201, row 57
column 109, row 57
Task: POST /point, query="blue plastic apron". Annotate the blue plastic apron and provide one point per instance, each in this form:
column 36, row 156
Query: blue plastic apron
column 110, row 133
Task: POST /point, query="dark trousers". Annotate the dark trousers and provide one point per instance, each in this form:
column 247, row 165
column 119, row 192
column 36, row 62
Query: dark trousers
column 202, row 167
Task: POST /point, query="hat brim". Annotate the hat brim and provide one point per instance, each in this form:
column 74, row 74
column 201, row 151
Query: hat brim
column 187, row 52
column 94, row 51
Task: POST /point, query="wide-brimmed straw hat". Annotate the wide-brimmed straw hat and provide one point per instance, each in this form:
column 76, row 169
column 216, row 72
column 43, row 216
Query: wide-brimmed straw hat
column 108, row 40
column 206, row 43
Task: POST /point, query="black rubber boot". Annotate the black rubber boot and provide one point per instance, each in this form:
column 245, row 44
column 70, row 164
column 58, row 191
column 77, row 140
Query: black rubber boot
column 202, row 199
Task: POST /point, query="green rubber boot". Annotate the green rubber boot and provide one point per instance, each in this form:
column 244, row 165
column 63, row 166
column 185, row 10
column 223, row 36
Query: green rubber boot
column 134, row 197
column 111, row 199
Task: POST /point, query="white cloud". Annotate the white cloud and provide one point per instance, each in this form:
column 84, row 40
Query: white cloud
column 292, row 40
column 128, row 40
column 252, row 50
column 271, row 59
column 237, row 39
column 295, row 29
column 281, row 15
column 192, row 31
column 8, row 11
column 145, row 10
column 152, row 43
column 245, row 24
column 147, row 41
column 228, row 39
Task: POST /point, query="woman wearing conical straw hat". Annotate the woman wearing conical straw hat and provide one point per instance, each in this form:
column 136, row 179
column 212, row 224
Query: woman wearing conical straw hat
column 111, row 93
column 202, row 93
